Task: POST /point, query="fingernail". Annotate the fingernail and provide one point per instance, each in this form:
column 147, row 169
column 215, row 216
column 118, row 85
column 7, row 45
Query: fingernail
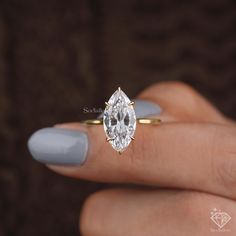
column 59, row 146
column 144, row 108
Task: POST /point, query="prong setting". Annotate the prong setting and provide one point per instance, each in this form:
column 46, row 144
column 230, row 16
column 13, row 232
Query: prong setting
column 109, row 139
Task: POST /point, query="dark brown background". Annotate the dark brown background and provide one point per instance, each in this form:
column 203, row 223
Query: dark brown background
column 58, row 56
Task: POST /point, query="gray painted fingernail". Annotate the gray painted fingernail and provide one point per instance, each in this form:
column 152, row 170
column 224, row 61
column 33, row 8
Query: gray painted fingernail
column 144, row 108
column 59, row 146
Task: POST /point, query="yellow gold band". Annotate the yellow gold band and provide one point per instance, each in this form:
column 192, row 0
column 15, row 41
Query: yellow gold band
column 145, row 121
column 93, row 122
column 149, row 121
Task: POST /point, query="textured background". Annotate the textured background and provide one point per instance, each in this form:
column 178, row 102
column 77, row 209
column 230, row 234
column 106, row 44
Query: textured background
column 57, row 56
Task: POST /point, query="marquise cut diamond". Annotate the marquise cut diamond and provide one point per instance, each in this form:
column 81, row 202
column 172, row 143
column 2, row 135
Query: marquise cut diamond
column 119, row 121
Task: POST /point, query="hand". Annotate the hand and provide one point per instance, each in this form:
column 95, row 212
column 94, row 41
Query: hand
column 190, row 160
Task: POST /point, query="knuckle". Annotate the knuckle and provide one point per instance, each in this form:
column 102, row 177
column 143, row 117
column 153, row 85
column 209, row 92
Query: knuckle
column 225, row 170
column 224, row 160
column 177, row 86
column 186, row 91
column 179, row 93
column 90, row 217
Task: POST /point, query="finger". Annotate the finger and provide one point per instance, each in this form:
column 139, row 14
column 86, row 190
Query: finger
column 182, row 103
column 157, row 212
column 183, row 155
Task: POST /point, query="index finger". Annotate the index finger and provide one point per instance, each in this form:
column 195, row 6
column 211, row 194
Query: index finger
column 181, row 155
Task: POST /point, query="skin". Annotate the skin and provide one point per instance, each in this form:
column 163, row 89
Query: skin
column 189, row 163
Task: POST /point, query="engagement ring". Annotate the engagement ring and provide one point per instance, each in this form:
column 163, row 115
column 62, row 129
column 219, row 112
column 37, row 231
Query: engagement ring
column 119, row 121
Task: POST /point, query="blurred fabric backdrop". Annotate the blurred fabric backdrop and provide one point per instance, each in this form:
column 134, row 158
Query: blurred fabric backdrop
column 58, row 56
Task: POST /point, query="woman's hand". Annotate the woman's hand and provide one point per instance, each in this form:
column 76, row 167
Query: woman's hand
column 192, row 153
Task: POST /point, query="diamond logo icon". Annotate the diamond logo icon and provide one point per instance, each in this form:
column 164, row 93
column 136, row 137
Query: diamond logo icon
column 220, row 218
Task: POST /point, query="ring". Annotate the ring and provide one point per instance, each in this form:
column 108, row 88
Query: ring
column 119, row 121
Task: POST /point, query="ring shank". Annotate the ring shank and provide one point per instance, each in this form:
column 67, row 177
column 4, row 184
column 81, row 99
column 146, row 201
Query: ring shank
column 145, row 121
column 149, row 121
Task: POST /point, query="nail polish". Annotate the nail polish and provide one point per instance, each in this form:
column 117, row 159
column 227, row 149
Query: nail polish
column 59, row 146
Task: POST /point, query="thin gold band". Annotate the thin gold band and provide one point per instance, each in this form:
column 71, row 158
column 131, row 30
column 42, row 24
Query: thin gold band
column 145, row 121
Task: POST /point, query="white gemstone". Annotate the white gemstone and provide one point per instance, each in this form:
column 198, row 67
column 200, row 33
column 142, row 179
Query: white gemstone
column 119, row 121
